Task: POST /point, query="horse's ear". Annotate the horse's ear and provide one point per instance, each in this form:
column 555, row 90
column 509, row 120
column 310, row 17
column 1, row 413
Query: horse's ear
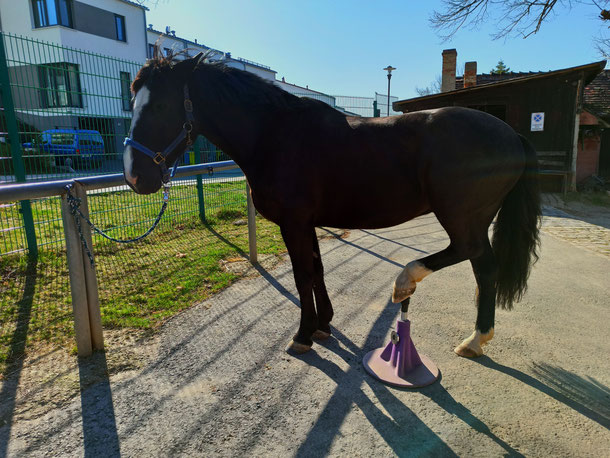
column 187, row 65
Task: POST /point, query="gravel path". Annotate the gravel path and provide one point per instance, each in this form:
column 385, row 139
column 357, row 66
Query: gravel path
column 221, row 384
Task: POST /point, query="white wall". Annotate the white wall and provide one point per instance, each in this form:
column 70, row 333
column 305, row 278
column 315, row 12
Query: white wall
column 17, row 18
column 99, row 66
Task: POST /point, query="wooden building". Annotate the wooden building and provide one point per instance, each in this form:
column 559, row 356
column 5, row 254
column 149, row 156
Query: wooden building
column 545, row 107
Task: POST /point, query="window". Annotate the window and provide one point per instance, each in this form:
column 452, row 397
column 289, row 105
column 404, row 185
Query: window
column 119, row 21
column 52, row 12
column 167, row 51
column 126, row 90
column 151, row 51
column 62, row 138
column 60, row 83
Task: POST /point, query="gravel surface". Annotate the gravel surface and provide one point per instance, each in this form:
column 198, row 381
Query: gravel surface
column 220, row 384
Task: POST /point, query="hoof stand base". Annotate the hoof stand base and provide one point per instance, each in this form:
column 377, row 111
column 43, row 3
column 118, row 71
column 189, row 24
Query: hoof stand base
column 398, row 363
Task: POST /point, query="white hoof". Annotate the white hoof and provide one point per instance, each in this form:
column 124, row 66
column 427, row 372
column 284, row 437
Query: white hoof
column 406, row 282
column 295, row 347
column 472, row 347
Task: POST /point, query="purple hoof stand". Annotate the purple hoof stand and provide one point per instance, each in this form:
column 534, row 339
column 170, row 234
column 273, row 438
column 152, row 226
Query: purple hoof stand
column 398, row 363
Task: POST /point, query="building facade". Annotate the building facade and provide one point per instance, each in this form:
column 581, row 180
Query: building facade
column 111, row 27
column 71, row 63
column 545, row 107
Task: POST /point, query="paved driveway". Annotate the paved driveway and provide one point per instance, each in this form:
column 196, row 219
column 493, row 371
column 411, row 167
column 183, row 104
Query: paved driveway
column 221, row 385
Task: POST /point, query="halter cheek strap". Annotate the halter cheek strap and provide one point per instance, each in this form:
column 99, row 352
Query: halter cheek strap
column 159, row 158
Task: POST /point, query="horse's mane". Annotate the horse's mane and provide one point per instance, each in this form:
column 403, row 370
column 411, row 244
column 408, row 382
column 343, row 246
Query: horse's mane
column 228, row 84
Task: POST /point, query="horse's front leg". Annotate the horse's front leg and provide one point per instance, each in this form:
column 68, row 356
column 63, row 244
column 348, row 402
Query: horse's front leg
column 298, row 240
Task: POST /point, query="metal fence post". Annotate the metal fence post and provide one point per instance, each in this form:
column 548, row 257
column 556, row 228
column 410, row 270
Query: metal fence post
column 251, row 227
column 16, row 155
column 93, row 300
column 198, row 160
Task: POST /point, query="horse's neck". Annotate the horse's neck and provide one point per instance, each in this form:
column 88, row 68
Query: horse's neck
column 231, row 126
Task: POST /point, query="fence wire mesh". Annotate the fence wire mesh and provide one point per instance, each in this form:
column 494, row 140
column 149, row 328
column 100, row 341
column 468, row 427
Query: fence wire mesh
column 72, row 111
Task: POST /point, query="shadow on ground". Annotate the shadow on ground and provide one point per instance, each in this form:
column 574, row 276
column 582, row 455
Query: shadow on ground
column 586, row 396
column 11, row 375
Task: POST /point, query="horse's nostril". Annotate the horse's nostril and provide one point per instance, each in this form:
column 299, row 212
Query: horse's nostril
column 131, row 179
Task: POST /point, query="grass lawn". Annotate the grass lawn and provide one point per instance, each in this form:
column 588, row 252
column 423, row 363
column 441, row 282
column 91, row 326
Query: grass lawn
column 141, row 284
column 600, row 199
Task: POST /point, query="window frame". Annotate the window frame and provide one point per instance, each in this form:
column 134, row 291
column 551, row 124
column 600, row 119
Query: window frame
column 125, row 91
column 50, row 91
column 44, row 20
column 120, row 20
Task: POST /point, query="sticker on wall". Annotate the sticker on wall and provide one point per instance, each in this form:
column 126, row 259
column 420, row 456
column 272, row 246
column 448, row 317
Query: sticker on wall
column 537, row 122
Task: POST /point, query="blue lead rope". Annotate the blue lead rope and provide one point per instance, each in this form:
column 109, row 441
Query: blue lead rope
column 74, row 203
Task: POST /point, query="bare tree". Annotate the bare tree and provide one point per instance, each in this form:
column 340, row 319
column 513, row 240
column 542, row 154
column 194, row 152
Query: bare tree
column 433, row 88
column 514, row 17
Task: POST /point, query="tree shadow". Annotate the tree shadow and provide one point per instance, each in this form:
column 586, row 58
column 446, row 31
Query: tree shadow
column 8, row 394
column 410, row 436
column 366, row 250
column 437, row 393
column 402, row 430
column 100, row 436
column 586, row 396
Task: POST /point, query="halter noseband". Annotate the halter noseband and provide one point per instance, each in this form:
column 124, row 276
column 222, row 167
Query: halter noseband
column 160, row 157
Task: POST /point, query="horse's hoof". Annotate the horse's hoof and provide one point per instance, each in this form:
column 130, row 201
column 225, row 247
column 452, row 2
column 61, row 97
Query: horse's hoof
column 473, row 346
column 399, row 295
column 298, row 348
column 320, row 335
column 468, row 352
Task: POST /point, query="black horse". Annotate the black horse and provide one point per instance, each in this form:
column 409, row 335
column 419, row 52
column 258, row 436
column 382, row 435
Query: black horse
column 309, row 165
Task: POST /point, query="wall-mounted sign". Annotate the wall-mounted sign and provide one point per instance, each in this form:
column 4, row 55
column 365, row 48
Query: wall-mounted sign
column 537, row 122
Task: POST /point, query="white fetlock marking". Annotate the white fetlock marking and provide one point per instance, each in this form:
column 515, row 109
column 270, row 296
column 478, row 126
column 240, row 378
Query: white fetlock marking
column 473, row 345
column 405, row 283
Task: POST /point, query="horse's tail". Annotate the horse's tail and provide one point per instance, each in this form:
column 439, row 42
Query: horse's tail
column 516, row 233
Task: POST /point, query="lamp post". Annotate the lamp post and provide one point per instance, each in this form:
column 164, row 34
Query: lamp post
column 389, row 69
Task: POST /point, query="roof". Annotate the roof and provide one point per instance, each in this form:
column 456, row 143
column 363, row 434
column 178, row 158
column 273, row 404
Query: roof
column 489, row 78
column 304, row 88
column 194, row 43
column 135, row 4
column 597, row 95
column 590, row 71
column 184, row 40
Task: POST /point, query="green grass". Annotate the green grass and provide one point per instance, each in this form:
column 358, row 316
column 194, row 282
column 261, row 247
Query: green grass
column 141, row 284
column 600, row 199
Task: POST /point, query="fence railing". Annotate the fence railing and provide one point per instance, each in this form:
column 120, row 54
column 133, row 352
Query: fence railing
column 65, row 113
column 63, row 117
column 82, row 274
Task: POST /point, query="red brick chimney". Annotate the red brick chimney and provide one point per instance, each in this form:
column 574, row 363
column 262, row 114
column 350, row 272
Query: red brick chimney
column 470, row 74
column 449, row 64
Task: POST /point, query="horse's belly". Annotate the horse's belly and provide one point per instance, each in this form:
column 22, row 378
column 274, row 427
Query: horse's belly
column 370, row 213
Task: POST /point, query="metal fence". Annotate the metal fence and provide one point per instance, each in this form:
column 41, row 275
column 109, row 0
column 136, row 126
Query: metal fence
column 70, row 111
column 65, row 113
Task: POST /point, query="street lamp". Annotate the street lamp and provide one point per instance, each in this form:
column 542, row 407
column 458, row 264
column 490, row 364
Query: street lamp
column 389, row 69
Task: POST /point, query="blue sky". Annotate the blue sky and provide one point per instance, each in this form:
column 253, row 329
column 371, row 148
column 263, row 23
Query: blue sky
column 340, row 46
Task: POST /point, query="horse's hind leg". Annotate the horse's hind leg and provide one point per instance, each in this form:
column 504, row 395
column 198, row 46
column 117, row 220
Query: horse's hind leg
column 485, row 269
column 323, row 304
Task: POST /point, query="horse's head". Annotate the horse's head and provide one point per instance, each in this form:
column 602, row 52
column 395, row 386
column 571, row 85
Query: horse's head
column 159, row 117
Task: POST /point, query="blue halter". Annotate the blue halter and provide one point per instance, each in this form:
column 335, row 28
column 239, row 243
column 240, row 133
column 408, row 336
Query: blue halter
column 160, row 157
